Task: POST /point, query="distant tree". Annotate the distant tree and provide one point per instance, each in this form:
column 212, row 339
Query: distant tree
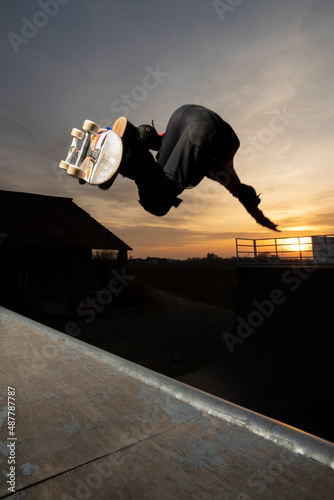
column 211, row 257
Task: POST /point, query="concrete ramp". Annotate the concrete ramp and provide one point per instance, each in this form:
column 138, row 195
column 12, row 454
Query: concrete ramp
column 90, row 425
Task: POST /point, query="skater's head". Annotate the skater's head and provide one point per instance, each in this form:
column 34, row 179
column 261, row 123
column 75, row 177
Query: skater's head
column 150, row 137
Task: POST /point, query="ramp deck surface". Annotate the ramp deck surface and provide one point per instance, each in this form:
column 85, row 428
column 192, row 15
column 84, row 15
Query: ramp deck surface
column 91, row 425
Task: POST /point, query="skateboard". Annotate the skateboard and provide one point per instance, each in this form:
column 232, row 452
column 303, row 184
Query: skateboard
column 98, row 157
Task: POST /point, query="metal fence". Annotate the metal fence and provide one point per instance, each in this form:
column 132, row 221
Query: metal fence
column 298, row 251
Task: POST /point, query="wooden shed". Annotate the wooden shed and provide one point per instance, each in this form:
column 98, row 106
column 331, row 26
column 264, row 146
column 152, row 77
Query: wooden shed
column 46, row 246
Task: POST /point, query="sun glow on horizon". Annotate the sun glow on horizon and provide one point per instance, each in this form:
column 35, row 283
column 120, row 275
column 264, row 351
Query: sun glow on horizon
column 303, row 244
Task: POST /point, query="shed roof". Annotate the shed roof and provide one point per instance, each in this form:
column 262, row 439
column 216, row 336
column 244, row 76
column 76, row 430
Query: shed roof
column 28, row 219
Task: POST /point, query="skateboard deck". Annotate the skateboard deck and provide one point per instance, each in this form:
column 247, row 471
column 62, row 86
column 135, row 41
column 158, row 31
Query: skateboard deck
column 99, row 156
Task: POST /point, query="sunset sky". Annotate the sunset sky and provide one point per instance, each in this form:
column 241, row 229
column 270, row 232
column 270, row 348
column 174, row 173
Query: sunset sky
column 266, row 67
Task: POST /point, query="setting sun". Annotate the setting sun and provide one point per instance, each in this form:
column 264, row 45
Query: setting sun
column 298, row 244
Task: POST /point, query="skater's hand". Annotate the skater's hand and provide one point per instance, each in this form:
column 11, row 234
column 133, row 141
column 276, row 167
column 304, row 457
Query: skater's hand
column 101, row 130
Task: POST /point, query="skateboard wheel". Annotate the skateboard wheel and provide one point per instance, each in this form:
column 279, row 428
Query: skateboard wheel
column 91, row 127
column 64, row 165
column 77, row 133
column 75, row 172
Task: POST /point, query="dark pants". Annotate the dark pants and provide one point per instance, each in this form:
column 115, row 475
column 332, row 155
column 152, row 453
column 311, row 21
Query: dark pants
column 195, row 138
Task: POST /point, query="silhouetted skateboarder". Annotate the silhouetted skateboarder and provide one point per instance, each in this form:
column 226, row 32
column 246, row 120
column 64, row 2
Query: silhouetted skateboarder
column 197, row 144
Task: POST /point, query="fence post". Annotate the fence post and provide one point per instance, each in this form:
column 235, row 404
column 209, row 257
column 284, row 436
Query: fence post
column 237, row 251
column 255, row 253
column 300, row 252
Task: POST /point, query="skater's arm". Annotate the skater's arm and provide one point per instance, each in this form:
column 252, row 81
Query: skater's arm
column 223, row 172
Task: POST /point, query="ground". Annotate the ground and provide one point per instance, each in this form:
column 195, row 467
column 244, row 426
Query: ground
column 168, row 319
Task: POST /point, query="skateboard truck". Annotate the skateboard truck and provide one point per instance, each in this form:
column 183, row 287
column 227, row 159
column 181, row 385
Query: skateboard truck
column 97, row 160
column 90, row 128
column 95, row 155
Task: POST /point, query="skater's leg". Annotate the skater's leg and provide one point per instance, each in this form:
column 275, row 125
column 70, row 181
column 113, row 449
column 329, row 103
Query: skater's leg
column 157, row 193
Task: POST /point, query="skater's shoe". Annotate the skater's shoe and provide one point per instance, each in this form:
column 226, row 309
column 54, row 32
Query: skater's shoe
column 120, row 126
column 149, row 137
column 135, row 146
column 146, row 134
column 129, row 135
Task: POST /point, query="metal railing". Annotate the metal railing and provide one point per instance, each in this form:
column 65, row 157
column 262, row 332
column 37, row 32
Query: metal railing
column 298, row 251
